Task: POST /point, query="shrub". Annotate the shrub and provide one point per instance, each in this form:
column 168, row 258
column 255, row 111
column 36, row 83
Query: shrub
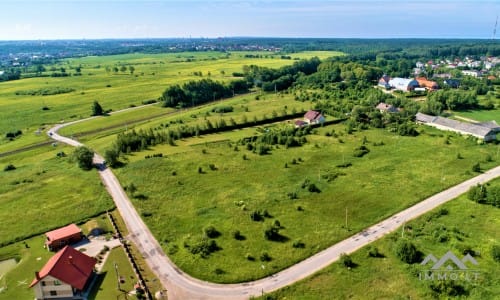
column 407, row 252
column 298, row 244
column 346, row 260
column 495, row 252
column 249, row 257
column 211, row 232
column 360, row 151
column 476, row 167
column 313, row 188
column 238, row 236
column 271, row 233
column 373, row 252
column 9, row 167
column 265, row 257
column 256, row 215
column 84, row 157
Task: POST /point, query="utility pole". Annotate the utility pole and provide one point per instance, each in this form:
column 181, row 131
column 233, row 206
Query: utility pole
column 117, row 276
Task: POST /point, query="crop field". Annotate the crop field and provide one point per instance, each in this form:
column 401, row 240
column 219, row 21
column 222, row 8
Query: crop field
column 215, row 181
column 467, row 225
column 70, row 98
column 43, row 190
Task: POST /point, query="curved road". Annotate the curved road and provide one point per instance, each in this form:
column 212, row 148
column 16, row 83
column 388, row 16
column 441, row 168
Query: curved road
column 182, row 286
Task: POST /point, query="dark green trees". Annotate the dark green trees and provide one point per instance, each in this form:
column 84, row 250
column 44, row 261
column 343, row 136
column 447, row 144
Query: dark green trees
column 83, row 157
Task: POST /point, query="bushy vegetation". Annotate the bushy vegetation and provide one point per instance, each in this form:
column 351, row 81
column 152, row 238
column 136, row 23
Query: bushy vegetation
column 84, row 157
column 46, row 91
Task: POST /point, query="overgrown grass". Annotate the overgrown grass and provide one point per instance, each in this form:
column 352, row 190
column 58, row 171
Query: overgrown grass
column 177, row 200
column 466, row 224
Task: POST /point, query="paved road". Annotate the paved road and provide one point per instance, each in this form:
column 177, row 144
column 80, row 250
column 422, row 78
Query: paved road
column 182, row 286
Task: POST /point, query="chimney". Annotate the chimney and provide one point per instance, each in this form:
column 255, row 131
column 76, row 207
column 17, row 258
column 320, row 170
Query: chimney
column 37, row 276
column 70, row 260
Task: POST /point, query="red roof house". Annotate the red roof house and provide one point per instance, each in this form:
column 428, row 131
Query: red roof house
column 66, row 274
column 314, row 117
column 61, row 237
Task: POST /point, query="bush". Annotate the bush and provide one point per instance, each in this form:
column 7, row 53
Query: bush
column 265, row 257
column 476, row 167
column 495, row 252
column 298, row 244
column 211, row 232
column 238, row 236
column 346, row 261
column 373, row 252
column 271, row 233
column 9, row 167
column 360, row 151
column 407, row 252
column 249, row 257
column 313, row 188
column 84, row 157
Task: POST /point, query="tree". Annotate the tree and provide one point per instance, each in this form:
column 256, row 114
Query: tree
column 111, row 156
column 97, row 109
column 84, row 156
column 131, row 69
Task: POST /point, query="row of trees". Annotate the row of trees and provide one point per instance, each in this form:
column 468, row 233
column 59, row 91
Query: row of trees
column 198, row 92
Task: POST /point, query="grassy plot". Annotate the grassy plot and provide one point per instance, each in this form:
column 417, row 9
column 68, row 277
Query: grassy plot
column 223, row 185
column 115, row 90
column 456, row 226
column 47, row 191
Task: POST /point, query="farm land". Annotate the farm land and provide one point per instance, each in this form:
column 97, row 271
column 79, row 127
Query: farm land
column 212, row 200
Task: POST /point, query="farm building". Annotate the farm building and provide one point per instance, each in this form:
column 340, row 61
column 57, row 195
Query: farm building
column 66, row 275
column 403, row 84
column 483, row 132
column 314, row 117
column 56, row 239
column 384, row 107
column 472, row 73
column 428, row 84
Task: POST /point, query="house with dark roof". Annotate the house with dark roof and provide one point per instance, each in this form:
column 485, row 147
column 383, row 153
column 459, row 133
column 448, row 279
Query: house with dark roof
column 66, row 275
column 474, row 129
column 314, row 117
column 56, row 239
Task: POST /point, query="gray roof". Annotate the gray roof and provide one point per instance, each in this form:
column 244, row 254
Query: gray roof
column 491, row 125
column 474, row 129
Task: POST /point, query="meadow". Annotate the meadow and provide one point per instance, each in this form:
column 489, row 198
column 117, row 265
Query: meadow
column 98, row 80
column 214, row 181
column 47, row 191
column 467, row 224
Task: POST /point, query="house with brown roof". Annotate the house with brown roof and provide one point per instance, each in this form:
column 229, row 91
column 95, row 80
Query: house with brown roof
column 66, row 275
column 428, row 84
column 384, row 82
column 314, row 117
column 56, row 239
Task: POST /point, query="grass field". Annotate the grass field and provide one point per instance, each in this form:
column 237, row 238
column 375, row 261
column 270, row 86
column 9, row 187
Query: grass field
column 43, row 190
column 114, row 90
column 178, row 202
column 467, row 224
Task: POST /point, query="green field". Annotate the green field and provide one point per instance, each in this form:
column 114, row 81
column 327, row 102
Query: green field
column 48, row 192
column 114, row 90
column 178, row 201
column 467, row 225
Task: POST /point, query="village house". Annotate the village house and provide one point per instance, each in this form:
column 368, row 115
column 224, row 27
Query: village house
column 472, row 73
column 384, row 82
column 56, row 239
column 474, row 129
column 387, row 108
column 66, row 275
column 427, row 84
column 314, row 117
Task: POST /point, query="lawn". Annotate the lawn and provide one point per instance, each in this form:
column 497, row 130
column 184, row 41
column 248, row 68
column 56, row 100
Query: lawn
column 214, row 181
column 467, row 225
column 43, row 190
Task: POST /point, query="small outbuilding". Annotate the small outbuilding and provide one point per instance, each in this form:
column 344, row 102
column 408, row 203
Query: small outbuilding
column 57, row 239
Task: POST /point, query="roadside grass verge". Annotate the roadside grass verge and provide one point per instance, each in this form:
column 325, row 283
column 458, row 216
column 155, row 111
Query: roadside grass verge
column 177, row 200
column 467, row 225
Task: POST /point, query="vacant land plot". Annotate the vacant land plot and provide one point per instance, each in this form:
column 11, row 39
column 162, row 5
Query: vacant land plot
column 47, row 191
column 458, row 226
column 301, row 194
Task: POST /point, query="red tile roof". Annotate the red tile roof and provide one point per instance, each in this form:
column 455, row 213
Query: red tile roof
column 63, row 232
column 69, row 266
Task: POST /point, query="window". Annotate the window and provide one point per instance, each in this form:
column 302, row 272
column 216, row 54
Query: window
column 53, row 293
column 43, row 283
column 57, row 282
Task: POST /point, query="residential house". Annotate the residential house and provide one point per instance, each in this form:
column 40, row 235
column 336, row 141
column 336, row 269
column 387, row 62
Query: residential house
column 66, row 275
column 428, row 84
column 477, row 130
column 384, row 82
column 384, row 107
column 472, row 73
column 403, row 84
column 314, row 117
column 56, row 239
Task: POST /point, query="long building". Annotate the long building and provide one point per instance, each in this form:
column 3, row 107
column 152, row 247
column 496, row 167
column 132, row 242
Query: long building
column 477, row 130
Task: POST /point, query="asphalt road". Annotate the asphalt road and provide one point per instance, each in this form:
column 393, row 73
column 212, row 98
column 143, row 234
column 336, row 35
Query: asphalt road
column 182, row 286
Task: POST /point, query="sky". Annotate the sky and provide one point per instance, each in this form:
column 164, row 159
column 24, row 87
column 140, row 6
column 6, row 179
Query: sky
column 98, row 19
